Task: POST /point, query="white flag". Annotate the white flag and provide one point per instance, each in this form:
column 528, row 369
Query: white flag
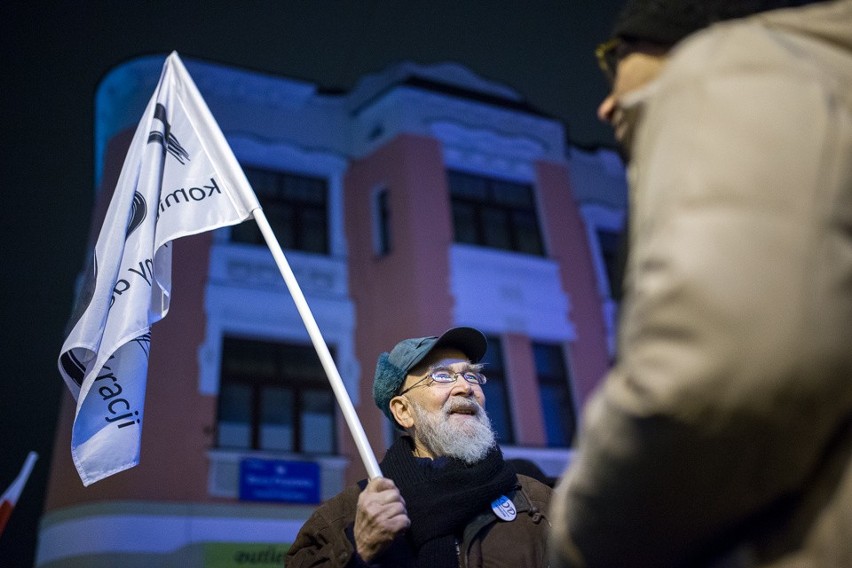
column 179, row 178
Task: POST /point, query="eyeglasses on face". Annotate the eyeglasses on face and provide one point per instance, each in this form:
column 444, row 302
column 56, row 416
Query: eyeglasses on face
column 608, row 54
column 447, row 377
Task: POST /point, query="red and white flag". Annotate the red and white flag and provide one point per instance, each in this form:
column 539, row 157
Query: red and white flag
column 179, row 178
column 10, row 497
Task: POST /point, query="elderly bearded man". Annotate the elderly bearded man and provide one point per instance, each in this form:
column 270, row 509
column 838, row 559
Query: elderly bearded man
column 449, row 499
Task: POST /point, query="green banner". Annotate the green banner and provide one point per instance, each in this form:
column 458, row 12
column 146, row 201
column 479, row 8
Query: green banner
column 244, row 554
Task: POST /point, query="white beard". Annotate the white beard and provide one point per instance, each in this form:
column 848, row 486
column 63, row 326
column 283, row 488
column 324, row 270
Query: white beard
column 462, row 438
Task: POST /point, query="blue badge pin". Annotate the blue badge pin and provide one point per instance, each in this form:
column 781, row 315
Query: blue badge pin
column 504, row 508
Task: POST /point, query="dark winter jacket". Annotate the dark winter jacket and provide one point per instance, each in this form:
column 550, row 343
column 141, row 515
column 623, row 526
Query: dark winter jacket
column 327, row 537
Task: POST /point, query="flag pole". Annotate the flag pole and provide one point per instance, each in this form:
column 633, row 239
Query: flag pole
column 10, row 497
column 367, row 455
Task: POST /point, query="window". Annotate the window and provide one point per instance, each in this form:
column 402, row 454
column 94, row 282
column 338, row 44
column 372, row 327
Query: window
column 611, row 250
column 494, row 213
column 381, row 223
column 555, row 392
column 294, row 205
column 496, row 401
column 275, row 397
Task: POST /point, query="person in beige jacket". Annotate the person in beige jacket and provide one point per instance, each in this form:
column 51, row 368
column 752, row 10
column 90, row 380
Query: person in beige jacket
column 722, row 437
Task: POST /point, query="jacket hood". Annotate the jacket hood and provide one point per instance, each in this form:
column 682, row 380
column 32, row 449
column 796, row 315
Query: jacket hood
column 824, row 24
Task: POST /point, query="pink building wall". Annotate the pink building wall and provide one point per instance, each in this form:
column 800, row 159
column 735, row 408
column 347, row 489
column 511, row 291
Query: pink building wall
column 404, row 293
column 523, row 390
column 567, row 242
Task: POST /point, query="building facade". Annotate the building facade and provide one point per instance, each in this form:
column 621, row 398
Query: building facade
column 424, row 198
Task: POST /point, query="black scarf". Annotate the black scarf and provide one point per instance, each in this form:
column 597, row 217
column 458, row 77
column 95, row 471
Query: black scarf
column 442, row 496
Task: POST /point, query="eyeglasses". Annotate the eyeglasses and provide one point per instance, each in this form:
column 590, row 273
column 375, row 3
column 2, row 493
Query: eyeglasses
column 608, row 54
column 446, row 377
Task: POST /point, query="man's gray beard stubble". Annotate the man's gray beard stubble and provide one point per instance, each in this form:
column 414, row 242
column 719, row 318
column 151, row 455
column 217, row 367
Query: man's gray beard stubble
column 469, row 442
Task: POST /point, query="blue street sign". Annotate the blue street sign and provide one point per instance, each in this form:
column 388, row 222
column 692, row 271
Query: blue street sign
column 279, row 481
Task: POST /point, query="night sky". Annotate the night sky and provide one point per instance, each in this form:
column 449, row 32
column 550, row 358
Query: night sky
column 55, row 53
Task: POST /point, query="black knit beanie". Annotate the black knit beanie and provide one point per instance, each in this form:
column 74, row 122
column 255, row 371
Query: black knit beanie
column 668, row 21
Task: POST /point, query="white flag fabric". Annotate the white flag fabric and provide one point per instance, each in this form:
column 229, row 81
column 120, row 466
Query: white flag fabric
column 179, row 178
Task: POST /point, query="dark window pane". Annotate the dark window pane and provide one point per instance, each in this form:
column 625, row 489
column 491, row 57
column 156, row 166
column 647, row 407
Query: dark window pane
column 313, row 231
column 276, row 419
column 548, row 361
column 246, row 232
column 496, row 398
column 497, row 406
column 555, row 394
column 303, row 189
column 383, row 232
column 610, row 243
column 494, row 213
column 512, row 194
column 553, row 407
column 495, row 224
column 526, row 232
column 493, row 359
column 249, row 361
column 468, row 186
column 281, row 218
column 464, row 223
column 234, row 426
column 294, row 205
column 236, row 403
column 264, row 182
column 275, row 397
column 318, row 421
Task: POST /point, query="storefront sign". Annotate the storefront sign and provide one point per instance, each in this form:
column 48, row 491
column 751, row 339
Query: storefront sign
column 244, row 554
